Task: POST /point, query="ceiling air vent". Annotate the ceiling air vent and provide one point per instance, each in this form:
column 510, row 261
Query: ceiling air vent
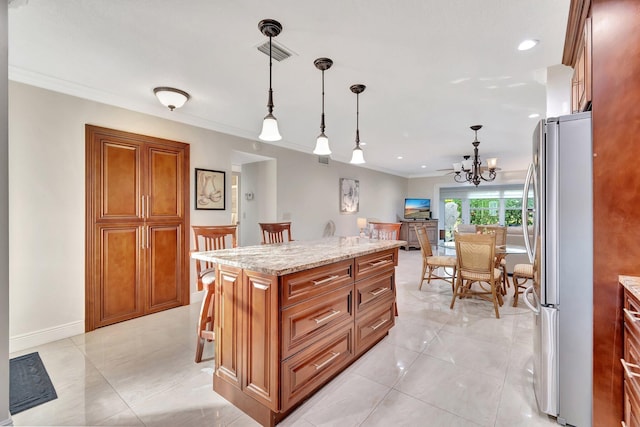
column 278, row 52
column 323, row 159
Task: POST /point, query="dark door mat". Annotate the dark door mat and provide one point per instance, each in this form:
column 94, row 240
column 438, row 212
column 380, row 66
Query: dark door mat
column 29, row 383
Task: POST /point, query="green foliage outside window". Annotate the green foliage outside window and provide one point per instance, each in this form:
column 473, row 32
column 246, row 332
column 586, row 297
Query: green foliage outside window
column 484, row 211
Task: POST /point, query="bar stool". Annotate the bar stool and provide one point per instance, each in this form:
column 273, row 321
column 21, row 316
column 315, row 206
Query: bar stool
column 209, row 238
column 273, row 232
column 385, row 230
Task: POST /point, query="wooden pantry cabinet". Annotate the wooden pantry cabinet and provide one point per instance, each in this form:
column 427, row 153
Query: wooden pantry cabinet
column 280, row 338
column 137, row 225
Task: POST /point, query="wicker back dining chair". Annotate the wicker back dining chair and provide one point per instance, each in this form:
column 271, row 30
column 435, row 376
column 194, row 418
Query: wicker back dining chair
column 431, row 263
column 476, row 266
column 385, row 230
column 209, row 238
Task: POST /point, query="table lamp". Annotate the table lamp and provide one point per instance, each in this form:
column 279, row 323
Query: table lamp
column 362, row 224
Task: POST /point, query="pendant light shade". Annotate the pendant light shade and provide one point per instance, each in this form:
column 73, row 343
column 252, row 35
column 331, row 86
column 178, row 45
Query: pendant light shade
column 322, row 142
column 270, row 132
column 357, row 158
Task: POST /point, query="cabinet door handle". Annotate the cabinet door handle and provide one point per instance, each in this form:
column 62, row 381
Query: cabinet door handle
column 633, row 316
column 627, row 368
column 382, row 322
column 328, row 279
column 378, row 291
column 327, row 317
column 379, row 263
column 326, row 362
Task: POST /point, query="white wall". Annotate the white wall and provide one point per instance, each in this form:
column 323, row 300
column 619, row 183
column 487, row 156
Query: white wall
column 47, row 199
column 5, row 417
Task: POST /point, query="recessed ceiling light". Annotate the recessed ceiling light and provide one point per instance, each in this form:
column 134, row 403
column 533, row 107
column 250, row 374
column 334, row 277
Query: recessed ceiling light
column 527, row 44
column 399, row 157
column 423, row 166
column 534, row 115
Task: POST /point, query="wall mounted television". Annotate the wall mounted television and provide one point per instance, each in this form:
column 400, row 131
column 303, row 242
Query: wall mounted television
column 417, row 208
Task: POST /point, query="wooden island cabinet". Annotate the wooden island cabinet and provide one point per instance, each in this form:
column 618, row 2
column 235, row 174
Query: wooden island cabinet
column 291, row 316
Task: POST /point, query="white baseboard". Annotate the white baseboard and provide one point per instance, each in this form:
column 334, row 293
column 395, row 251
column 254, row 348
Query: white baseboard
column 196, row 297
column 43, row 336
column 7, row 422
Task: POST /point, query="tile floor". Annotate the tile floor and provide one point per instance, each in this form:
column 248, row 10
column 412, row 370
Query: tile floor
column 437, row 367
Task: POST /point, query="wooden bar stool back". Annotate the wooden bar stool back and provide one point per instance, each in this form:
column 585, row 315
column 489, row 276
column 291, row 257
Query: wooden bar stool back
column 385, row 230
column 274, row 232
column 209, row 238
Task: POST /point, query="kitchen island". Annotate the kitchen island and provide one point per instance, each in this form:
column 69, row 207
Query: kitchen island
column 291, row 316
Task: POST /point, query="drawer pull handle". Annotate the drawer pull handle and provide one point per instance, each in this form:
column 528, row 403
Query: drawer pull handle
column 326, row 362
column 378, row 291
column 627, row 368
column 379, row 263
column 382, row 322
column 327, row 317
column 633, row 316
column 323, row 281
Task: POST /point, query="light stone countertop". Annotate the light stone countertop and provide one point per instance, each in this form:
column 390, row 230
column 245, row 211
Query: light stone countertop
column 632, row 284
column 284, row 258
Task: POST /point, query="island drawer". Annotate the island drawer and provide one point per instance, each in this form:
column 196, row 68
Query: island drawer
column 314, row 318
column 372, row 264
column 309, row 369
column 299, row 286
column 631, row 339
column 373, row 290
column 374, row 326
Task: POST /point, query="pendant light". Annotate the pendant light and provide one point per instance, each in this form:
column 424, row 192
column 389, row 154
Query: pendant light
column 322, row 143
column 358, row 157
column 270, row 28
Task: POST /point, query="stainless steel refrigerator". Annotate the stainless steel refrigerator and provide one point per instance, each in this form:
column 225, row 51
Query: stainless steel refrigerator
column 561, row 250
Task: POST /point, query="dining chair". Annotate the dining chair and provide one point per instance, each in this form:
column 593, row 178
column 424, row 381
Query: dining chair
column 209, row 238
column 476, row 266
column 501, row 242
column 273, row 232
column 521, row 274
column 431, row 263
column 385, row 230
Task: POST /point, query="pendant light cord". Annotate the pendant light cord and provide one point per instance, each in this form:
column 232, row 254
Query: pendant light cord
column 270, row 103
column 322, row 117
column 357, row 120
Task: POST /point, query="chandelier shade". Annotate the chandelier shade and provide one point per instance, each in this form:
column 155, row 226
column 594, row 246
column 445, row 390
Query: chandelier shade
column 471, row 169
column 270, row 132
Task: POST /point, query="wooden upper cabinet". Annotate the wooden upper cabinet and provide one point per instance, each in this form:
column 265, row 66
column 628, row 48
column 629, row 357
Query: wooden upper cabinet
column 165, row 189
column 117, row 191
column 577, row 54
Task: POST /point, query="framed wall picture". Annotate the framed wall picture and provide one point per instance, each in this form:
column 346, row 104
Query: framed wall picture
column 349, row 195
column 210, row 187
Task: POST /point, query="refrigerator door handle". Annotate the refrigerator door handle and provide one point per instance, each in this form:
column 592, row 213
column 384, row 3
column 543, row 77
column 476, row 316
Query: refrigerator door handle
column 525, row 212
column 525, row 297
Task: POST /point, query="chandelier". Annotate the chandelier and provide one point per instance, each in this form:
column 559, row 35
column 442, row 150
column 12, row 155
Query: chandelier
column 471, row 170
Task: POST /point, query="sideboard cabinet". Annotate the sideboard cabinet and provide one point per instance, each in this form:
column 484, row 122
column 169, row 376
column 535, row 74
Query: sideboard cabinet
column 408, row 232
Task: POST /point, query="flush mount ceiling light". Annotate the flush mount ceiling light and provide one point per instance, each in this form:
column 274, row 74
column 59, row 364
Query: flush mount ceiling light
column 470, row 170
column 170, row 97
column 527, row 44
column 322, row 143
column 358, row 156
column 270, row 132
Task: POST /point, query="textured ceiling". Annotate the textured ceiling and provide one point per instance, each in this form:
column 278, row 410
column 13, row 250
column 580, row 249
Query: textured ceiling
column 432, row 69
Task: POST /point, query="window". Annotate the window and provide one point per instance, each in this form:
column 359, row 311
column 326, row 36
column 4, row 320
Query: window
column 495, row 204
